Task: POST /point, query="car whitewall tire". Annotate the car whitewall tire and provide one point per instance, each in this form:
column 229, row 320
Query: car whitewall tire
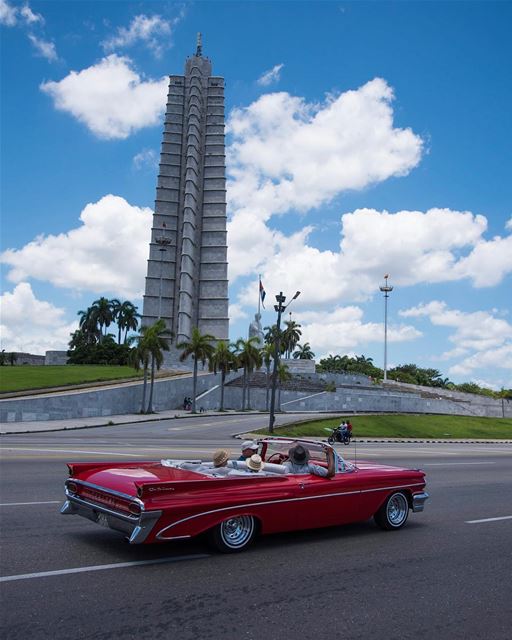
column 394, row 512
column 233, row 534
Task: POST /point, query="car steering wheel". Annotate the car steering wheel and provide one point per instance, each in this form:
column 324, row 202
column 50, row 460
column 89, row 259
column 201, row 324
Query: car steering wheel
column 277, row 458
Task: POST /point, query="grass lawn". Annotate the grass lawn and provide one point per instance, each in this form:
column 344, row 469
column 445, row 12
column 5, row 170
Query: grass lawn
column 406, row 426
column 23, row 377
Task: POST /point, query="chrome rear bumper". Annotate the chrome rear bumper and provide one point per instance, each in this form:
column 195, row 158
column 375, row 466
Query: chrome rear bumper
column 418, row 501
column 137, row 528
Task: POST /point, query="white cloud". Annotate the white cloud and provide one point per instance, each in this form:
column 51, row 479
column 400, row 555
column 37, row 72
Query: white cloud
column 145, row 158
column 489, row 262
column 415, row 247
column 490, row 338
column 478, row 330
column 7, row 14
column 110, row 98
column 149, row 30
column 107, row 254
column 287, row 153
column 236, row 313
column 500, row 358
column 30, row 17
column 44, row 48
column 271, row 76
column 344, row 330
column 32, row 325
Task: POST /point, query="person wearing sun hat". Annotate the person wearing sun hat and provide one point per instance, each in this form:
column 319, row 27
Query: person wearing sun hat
column 220, row 458
column 249, row 447
column 298, row 463
column 254, row 463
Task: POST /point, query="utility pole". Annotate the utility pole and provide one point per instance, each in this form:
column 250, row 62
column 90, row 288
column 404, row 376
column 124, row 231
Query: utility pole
column 386, row 289
column 280, row 308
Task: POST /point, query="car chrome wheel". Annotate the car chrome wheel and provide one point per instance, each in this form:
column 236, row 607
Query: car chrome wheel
column 397, row 509
column 234, row 534
column 394, row 512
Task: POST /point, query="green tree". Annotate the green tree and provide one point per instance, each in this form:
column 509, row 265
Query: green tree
column 291, row 336
column 200, row 349
column 151, row 343
column 102, row 313
column 89, row 326
column 224, row 360
column 128, row 318
column 115, row 307
column 303, row 352
column 157, row 340
column 249, row 357
column 139, row 357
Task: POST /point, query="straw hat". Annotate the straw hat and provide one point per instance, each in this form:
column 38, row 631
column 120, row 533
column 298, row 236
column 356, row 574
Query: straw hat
column 220, row 457
column 254, row 463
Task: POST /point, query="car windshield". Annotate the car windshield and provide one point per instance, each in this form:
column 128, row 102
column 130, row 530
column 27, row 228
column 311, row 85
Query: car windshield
column 276, row 451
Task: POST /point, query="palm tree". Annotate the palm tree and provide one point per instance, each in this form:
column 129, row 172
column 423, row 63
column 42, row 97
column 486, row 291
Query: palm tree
column 267, row 355
column 157, row 342
column 249, row 357
column 223, row 360
column 127, row 319
column 102, row 311
column 200, row 348
column 139, row 355
column 115, row 308
column 89, row 326
column 152, row 342
column 304, row 352
column 291, row 336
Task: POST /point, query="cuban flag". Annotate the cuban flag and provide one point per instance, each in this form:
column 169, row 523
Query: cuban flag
column 262, row 294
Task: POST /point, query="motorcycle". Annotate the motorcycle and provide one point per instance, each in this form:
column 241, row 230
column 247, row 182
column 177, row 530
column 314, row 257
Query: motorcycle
column 339, row 435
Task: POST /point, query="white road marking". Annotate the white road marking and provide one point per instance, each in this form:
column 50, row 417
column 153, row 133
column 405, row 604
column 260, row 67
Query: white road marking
column 488, row 520
column 22, row 504
column 101, row 567
column 450, row 464
column 96, row 453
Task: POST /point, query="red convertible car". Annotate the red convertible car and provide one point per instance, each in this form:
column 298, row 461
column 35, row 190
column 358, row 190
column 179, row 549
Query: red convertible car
column 175, row 499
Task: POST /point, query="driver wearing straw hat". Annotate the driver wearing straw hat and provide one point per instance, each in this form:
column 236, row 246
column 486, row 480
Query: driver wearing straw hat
column 298, row 463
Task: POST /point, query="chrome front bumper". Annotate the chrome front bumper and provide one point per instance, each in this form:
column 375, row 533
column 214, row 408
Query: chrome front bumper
column 418, row 501
column 137, row 528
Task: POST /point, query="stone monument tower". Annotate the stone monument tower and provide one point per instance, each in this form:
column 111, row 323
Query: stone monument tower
column 186, row 282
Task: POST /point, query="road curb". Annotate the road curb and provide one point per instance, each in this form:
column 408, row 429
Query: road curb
column 255, row 436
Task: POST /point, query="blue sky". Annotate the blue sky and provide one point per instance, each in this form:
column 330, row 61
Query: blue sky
column 363, row 139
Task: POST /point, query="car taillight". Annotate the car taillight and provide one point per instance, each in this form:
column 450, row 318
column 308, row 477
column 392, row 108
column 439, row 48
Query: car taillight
column 72, row 487
column 134, row 507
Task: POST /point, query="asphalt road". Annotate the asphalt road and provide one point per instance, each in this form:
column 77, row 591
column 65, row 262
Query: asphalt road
column 442, row 576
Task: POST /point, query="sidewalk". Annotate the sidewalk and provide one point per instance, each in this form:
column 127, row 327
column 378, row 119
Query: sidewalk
column 7, row 428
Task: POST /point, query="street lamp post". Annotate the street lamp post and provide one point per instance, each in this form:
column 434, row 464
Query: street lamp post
column 386, row 290
column 280, row 308
column 162, row 243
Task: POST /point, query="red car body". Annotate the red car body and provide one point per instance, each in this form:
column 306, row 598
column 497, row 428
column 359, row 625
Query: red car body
column 158, row 502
